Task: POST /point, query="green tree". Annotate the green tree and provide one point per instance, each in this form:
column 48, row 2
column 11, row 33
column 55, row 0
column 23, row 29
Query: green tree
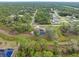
column 47, row 54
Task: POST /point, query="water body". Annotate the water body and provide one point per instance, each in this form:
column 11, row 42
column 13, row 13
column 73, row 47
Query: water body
column 6, row 52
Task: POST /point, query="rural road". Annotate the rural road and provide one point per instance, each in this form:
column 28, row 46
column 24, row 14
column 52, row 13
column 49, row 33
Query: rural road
column 33, row 18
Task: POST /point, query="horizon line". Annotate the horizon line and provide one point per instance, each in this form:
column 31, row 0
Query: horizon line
column 39, row 1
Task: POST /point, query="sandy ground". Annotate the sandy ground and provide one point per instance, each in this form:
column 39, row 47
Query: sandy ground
column 4, row 44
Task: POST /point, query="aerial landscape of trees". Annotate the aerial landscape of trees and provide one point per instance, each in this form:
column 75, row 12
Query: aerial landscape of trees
column 42, row 16
column 32, row 26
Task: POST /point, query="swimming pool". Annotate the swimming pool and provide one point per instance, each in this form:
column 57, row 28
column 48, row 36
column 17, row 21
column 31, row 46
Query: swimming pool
column 6, row 52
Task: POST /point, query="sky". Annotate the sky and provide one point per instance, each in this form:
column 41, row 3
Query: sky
column 42, row 0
